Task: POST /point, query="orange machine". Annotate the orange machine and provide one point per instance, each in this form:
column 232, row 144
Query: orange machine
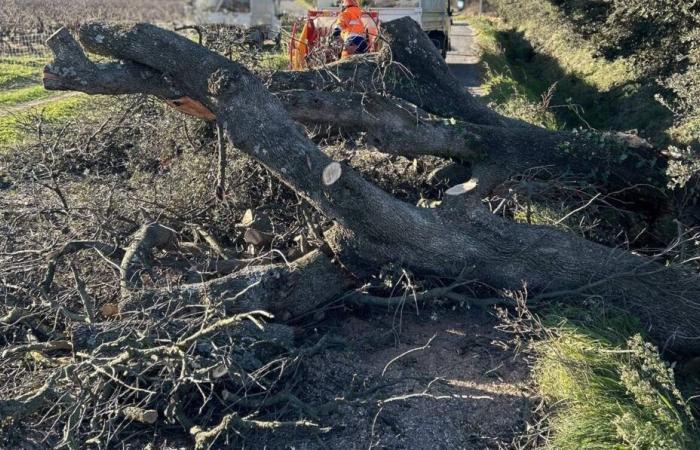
column 314, row 46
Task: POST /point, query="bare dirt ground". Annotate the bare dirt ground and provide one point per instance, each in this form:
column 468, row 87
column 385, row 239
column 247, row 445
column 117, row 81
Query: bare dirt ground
column 385, row 388
column 461, row 392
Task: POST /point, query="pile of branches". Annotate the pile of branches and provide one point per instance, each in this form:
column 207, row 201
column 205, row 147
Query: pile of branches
column 139, row 300
column 73, row 250
column 140, row 304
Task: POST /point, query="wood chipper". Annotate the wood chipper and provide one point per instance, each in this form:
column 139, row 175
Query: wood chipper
column 312, row 43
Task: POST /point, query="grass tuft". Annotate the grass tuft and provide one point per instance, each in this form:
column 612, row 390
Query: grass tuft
column 608, row 388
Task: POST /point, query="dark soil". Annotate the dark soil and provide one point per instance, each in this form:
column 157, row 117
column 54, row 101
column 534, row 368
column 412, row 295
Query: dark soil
column 463, row 392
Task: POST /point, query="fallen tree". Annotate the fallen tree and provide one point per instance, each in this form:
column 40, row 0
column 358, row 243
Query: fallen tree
column 372, row 227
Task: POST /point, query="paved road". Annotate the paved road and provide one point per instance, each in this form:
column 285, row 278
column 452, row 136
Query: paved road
column 463, row 59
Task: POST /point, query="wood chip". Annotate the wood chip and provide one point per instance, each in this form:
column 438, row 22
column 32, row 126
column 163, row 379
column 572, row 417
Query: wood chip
column 248, row 218
column 147, row 416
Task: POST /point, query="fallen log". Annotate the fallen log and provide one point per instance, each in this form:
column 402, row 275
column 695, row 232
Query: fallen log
column 285, row 290
column 467, row 130
column 410, row 68
column 374, row 228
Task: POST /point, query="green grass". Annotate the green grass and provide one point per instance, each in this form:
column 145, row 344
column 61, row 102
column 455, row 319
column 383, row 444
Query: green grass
column 543, row 50
column 542, row 24
column 608, row 388
column 11, row 125
column 14, row 97
column 20, row 79
column 504, row 91
column 20, row 71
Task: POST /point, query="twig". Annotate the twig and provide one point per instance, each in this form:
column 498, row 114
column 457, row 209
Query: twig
column 577, row 209
column 427, row 345
column 88, row 302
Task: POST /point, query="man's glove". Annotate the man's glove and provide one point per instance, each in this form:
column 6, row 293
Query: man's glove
column 336, row 32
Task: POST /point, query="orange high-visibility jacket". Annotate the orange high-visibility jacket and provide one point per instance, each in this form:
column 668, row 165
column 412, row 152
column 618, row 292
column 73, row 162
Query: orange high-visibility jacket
column 350, row 22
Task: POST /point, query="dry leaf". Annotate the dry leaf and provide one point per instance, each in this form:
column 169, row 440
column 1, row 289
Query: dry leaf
column 109, row 310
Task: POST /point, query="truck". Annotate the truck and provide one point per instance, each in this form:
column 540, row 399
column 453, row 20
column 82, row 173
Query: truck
column 434, row 16
column 264, row 15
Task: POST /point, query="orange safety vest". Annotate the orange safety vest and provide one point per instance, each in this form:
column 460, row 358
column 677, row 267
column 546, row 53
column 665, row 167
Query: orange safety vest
column 350, row 22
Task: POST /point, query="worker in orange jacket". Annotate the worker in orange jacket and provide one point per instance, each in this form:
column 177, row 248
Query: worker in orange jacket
column 350, row 28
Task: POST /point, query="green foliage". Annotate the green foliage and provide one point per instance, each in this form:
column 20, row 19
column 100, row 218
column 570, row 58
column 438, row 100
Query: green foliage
column 13, row 126
column 654, row 33
column 609, row 389
column 12, row 97
column 588, row 16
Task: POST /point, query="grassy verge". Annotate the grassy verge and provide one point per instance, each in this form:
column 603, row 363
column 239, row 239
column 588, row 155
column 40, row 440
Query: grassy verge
column 20, row 79
column 580, row 88
column 20, row 71
column 13, row 129
column 607, row 388
column 604, row 386
column 14, row 97
column 505, row 92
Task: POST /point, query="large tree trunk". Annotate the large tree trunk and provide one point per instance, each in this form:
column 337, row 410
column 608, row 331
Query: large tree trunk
column 374, row 228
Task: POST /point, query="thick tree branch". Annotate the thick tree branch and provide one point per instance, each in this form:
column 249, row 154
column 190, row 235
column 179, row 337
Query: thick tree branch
column 71, row 70
column 393, row 127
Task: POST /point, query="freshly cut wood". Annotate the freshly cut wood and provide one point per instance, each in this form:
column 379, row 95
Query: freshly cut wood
column 332, row 173
column 463, row 188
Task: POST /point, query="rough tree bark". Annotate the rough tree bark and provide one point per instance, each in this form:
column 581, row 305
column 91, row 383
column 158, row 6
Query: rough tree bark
column 374, row 228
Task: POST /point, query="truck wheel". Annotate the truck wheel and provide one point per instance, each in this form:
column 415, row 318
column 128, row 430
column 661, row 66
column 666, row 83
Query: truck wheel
column 440, row 42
